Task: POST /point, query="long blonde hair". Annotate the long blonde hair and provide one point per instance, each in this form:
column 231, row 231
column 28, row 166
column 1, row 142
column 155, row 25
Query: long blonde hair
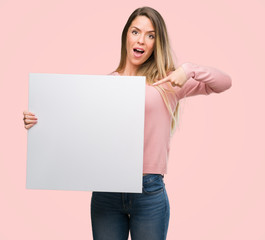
column 160, row 63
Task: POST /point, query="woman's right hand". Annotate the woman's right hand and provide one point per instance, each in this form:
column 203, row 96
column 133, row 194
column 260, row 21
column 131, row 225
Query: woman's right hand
column 29, row 119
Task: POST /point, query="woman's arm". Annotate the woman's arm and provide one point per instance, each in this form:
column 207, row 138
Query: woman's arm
column 203, row 80
column 190, row 79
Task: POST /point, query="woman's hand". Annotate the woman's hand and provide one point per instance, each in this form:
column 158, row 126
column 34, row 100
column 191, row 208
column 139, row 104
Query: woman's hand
column 176, row 78
column 29, row 119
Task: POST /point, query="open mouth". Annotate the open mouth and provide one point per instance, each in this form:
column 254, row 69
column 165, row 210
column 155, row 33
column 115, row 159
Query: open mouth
column 138, row 51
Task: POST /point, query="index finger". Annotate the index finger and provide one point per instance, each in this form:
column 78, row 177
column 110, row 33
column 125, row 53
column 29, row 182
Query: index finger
column 160, row 81
column 28, row 113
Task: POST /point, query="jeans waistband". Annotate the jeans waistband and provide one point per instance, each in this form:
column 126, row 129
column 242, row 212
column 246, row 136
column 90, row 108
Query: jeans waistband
column 152, row 177
column 152, row 174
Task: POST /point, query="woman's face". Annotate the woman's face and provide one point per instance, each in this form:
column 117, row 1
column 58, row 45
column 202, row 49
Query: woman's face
column 140, row 41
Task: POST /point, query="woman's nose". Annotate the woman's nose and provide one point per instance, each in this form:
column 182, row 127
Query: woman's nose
column 141, row 39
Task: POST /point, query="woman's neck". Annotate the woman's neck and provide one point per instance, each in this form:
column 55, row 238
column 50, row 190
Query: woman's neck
column 128, row 73
column 129, row 69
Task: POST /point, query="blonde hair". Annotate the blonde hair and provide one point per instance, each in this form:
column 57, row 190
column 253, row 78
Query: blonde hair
column 160, row 63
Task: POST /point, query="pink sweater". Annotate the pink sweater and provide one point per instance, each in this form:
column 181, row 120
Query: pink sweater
column 201, row 80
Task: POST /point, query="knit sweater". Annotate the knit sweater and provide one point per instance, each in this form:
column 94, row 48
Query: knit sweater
column 201, row 80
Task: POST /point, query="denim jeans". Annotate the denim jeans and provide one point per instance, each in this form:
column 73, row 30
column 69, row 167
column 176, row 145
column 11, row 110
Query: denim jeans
column 145, row 215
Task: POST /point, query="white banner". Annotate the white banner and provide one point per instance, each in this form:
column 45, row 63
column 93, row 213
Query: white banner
column 89, row 135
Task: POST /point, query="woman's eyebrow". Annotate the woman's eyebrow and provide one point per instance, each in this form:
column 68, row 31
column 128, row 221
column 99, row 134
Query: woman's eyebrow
column 140, row 29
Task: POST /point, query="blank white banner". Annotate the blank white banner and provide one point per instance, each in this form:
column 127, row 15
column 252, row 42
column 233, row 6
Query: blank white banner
column 89, row 135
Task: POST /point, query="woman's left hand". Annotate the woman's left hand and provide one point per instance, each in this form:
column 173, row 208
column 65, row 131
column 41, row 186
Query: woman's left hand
column 176, row 78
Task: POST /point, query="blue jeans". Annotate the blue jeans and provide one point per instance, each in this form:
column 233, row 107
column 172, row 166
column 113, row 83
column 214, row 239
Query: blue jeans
column 145, row 215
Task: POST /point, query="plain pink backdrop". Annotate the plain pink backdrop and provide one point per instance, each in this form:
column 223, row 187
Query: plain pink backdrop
column 216, row 168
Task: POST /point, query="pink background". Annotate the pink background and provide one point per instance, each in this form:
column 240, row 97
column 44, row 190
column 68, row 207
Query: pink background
column 216, row 169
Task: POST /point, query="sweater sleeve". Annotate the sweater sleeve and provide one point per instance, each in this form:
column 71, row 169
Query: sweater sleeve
column 203, row 80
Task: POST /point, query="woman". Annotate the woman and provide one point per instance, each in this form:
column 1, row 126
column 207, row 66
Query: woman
column 145, row 51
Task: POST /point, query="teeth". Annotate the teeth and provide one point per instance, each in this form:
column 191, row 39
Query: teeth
column 139, row 50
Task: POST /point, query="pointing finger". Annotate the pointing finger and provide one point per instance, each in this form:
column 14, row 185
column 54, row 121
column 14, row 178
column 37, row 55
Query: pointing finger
column 161, row 81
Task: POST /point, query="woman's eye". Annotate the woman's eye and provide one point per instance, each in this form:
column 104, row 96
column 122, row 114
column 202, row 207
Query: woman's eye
column 151, row 36
column 134, row 32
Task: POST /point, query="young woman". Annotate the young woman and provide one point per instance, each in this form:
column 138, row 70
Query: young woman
column 145, row 51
